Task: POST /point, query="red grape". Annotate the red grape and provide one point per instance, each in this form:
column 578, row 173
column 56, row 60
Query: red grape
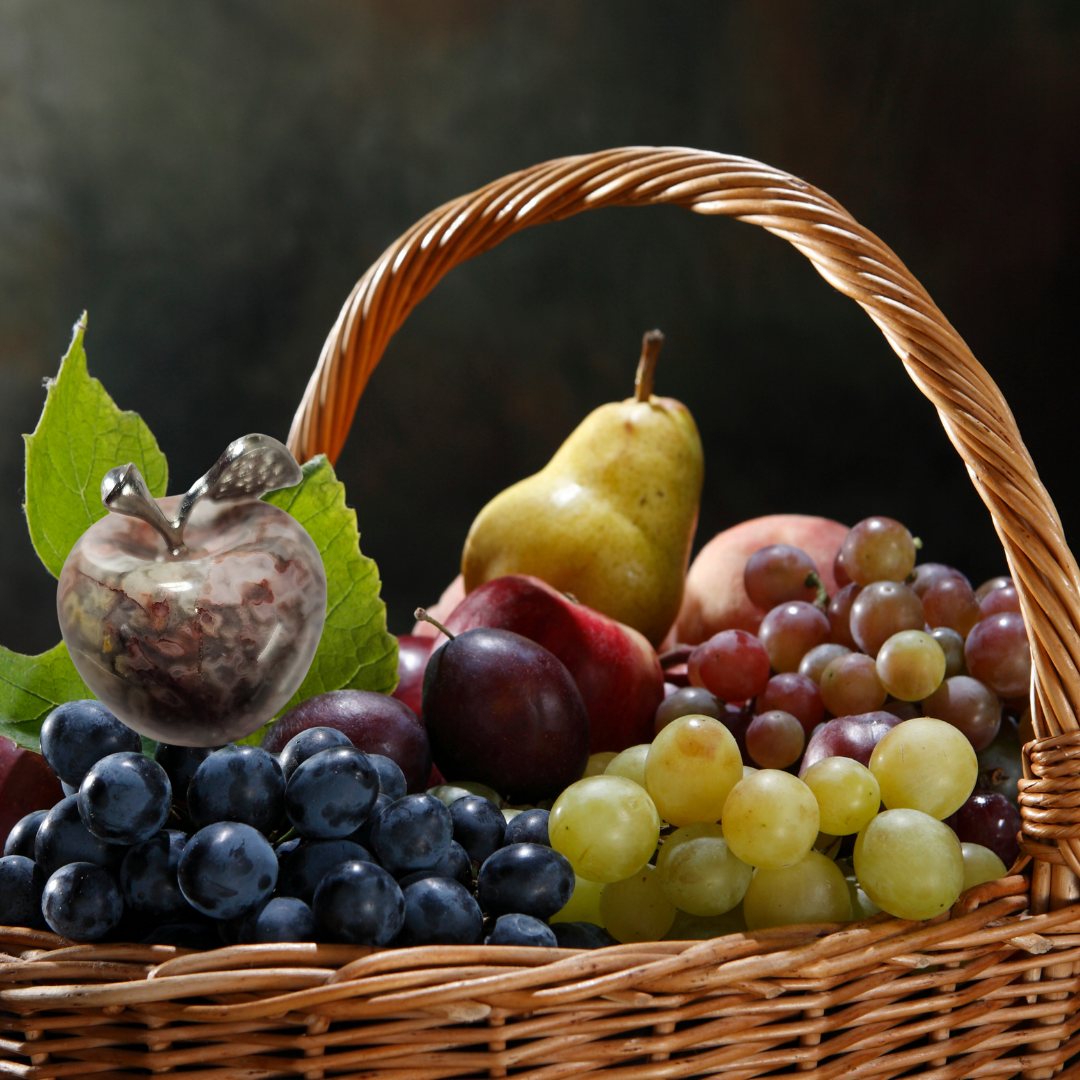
column 790, row 631
column 850, row 685
column 927, row 574
column 998, row 600
column 988, row 818
column 882, row 609
column 848, row 736
column 969, row 705
column 779, row 573
column 819, row 658
column 950, row 602
column 998, row 654
column 839, row 571
column 990, row 585
column 733, row 664
column 795, row 694
column 840, row 615
column 687, row 701
column 775, row 739
column 878, row 549
column 902, row 710
column 952, row 645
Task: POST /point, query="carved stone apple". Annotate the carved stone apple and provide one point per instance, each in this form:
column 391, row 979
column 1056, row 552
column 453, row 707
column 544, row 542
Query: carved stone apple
column 195, row 629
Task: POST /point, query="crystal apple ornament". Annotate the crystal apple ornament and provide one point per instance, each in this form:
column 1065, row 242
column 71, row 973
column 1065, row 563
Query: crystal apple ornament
column 194, row 618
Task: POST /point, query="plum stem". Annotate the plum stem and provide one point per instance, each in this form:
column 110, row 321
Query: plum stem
column 423, row 616
column 651, row 344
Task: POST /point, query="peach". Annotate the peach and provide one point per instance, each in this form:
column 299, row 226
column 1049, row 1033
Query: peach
column 715, row 598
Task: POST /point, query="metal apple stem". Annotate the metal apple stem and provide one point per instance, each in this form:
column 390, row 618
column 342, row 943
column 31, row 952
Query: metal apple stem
column 250, row 467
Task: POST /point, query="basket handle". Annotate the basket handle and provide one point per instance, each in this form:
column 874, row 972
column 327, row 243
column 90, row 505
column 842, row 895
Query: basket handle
column 854, row 261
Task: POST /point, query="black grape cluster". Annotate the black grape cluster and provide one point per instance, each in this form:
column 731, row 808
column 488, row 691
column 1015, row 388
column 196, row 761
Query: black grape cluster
column 201, row 847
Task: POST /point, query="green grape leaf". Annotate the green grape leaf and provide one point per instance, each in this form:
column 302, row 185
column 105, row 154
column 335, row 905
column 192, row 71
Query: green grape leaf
column 81, row 435
column 31, row 687
column 356, row 651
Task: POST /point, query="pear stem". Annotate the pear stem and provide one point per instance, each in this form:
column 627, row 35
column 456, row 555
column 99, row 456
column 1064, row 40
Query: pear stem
column 651, row 344
column 423, row 616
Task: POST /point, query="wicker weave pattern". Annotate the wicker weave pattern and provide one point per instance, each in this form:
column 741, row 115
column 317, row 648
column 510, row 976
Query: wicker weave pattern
column 990, row 991
column 873, row 1000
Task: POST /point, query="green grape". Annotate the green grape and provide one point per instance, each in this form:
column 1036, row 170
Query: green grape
column 636, row 909
column 692, row 766
column 583, row 905
column 510, row 814
column 598, row 763
column 607, row 826
column 448, row 793
column 630, row 763
column 847, row 794
column 926, row 765
column 699, row 873
column 687, row 927
column 980, row 865
column 911, row 665
column 862, row 907
column 771, row 819
column 909, row 864
column 813, row 890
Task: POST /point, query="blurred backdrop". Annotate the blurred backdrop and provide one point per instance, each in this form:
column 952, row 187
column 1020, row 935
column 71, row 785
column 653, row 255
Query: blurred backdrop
column 209, row 179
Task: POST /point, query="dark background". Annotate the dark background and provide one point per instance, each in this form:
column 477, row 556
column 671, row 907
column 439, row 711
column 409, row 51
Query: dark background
column 209, row 179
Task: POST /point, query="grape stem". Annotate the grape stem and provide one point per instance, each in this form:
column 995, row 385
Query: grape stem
column 813, row 581
column 423, row 616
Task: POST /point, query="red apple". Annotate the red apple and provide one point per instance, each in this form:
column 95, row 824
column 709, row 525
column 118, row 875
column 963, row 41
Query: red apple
column 715, row 598
column 614, row 666
column 26, row 784
column 413, row 654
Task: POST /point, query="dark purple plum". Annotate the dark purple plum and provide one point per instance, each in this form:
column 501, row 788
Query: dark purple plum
column 374, row 723
column 505, row 711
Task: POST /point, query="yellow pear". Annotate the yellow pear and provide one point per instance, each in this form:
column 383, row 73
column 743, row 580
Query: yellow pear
column 611, row 517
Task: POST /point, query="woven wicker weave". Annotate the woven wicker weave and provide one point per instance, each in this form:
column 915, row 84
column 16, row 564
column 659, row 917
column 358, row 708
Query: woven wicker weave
column 989, row 991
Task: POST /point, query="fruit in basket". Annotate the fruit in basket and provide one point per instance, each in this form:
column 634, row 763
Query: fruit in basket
column 909, row 864
column 691, row 768
column 611, row 517
column 26, row 785
column 613, row 665
column 848, row 736
column 195, row 619
column 998, row 654
column 503, row 710
column 374, row 723
column 607, row 826
column 813, row 890
column 877, row 549
column 413, row 654
column 926, row 765
column 771, row 819
column 715, row 598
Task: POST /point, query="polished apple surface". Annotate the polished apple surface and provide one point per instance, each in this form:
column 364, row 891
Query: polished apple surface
column 201, row 647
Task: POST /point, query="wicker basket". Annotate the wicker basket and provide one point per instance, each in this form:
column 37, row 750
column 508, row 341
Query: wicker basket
column 990, row 990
